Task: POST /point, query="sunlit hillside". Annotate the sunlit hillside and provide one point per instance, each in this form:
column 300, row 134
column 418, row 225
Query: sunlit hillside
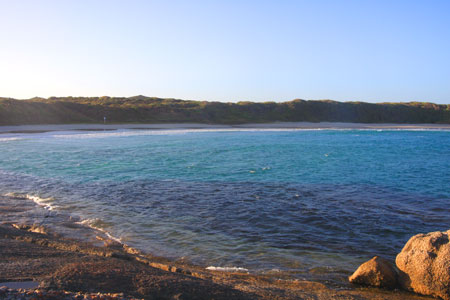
column 142, row 109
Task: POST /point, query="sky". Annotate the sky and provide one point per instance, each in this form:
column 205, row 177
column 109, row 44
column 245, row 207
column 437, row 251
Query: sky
column 372, row 51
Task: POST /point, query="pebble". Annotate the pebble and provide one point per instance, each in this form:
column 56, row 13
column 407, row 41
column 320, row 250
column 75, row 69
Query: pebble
column 37, row 294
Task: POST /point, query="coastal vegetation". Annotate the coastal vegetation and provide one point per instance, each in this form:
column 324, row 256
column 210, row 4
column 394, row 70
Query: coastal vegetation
column 141, row 109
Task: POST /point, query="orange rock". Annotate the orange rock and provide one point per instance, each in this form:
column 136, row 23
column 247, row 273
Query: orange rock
column 424, row 264
column 377, row 272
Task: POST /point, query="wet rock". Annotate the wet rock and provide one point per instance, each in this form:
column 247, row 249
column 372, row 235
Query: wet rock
column 424, row 264
column 3, row 290
column 115, row 276
column 31, row 228
column 24, row 294
column 85, row 270
column 377, row 272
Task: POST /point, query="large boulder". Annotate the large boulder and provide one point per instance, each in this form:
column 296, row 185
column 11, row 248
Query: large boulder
column 424, row 264
column 377, row 272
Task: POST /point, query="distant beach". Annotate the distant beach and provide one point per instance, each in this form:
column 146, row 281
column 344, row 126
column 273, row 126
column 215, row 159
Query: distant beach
column 276, row 125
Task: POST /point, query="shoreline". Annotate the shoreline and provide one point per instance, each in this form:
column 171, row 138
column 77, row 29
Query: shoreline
column 42, row 217
column 168, row 126
column 105, row 254
column 33, row 253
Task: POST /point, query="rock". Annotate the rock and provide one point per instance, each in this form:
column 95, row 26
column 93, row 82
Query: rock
column 3, row 290
column 31, row 228
column 116, row 275
column 424, row 264
column 377, row 272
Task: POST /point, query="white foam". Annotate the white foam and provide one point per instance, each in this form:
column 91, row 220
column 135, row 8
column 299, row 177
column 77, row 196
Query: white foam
column 148, row 132
column 9, row 139
column 47, row 204
column 227, row 269
column 92, row 224
column 171, row 132
column 44, row 202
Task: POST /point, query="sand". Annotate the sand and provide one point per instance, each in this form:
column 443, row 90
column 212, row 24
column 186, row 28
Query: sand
column 277, row 125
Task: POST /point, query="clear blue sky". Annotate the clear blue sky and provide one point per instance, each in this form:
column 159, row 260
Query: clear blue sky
column 358, row 50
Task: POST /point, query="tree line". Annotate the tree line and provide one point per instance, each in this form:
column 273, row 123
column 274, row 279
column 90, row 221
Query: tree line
column 141, row 109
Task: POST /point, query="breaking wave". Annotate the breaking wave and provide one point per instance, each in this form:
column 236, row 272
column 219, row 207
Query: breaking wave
column 227, row 269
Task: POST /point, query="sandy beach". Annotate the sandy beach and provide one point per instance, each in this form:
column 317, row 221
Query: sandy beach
column 277, row 125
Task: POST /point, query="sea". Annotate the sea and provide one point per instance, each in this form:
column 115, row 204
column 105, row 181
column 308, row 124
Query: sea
column 307, row 204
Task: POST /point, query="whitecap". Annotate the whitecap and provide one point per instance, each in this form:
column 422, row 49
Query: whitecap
column 128, row 133
column 44, row 202
column 94, row 224
column 227, row 269
column 9, row 139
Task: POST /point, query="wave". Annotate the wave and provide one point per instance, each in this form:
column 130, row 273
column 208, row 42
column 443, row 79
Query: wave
column 98, row 224
column 227, row 269
column 144, row 132
column 171, row 132
column 44, row 202
column 47, row 203
column 9, row 139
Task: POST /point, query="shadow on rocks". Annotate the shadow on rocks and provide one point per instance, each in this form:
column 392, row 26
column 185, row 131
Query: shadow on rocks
column 115, row 276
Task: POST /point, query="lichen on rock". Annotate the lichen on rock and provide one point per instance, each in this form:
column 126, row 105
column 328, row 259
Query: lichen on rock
column 424, row 264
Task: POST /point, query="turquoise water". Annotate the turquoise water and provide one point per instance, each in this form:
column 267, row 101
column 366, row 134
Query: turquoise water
column 299, row 201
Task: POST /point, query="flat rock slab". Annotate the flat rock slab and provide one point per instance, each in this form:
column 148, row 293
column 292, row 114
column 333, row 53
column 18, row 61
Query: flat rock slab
column 115, row 275
column 63, row 264
column 26, row 256
column 20, row 284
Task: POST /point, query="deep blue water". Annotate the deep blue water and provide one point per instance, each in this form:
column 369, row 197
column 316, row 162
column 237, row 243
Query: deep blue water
column 294, row 200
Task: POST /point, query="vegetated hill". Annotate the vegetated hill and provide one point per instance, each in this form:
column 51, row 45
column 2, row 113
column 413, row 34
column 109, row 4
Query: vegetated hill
column 140, row 109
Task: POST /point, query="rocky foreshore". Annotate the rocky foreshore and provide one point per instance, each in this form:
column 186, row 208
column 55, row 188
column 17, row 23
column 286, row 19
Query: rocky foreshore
column 34, row 294
column 61, row 266
column 70, row 269
column 423, row 267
